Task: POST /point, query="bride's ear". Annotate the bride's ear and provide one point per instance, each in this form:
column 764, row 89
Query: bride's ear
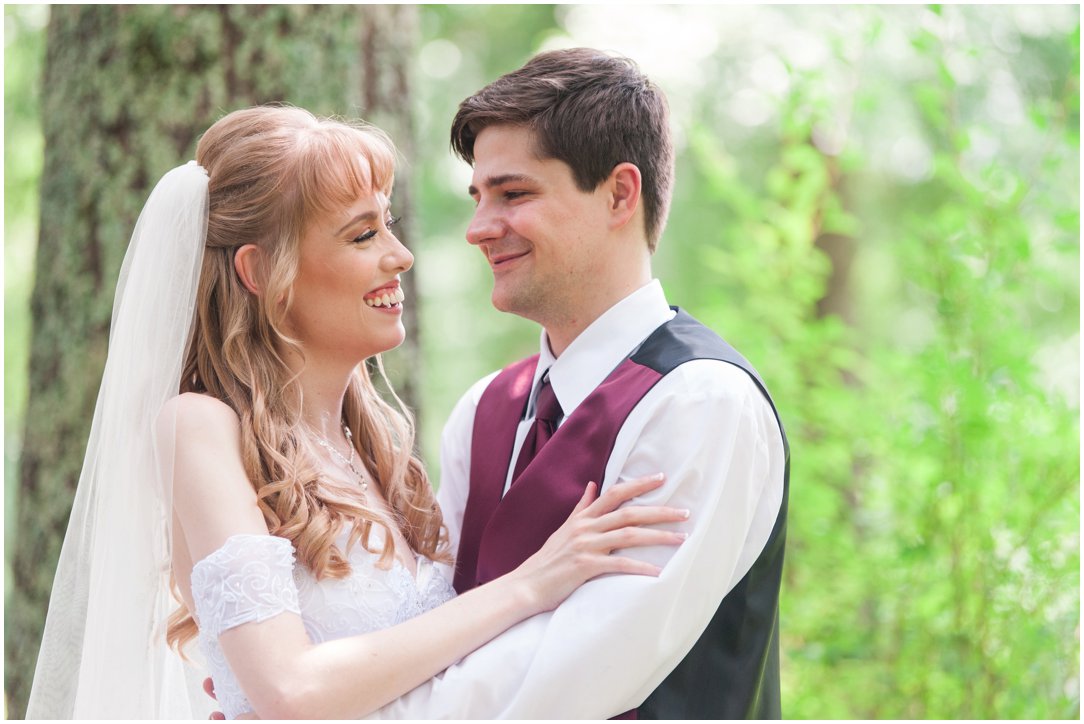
column 246, row 260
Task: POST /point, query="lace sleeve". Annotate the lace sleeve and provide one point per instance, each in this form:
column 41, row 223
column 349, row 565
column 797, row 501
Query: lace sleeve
column 250, row 578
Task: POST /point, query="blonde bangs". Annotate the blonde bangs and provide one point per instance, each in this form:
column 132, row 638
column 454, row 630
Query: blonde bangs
column 338, row 164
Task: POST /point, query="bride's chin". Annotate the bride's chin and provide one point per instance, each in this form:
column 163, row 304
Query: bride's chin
column 372, row 347
column 397, row 342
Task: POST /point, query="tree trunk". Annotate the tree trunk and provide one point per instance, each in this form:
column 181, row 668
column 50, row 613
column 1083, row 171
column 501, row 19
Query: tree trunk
column 127, row 91
column 385, row 101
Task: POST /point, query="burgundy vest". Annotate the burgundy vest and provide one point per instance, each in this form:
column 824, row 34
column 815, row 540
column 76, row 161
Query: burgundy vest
column 733, row 669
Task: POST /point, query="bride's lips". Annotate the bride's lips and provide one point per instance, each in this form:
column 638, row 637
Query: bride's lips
column 386, row 298
column 379, row 291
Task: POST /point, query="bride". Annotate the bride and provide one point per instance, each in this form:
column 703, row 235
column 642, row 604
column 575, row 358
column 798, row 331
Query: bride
column 242, row 462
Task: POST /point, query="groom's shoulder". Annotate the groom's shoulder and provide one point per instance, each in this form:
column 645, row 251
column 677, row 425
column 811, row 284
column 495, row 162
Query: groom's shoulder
column 710, row 379
column 461, row 419
column 694, row 356
column 463, row 412
column 474, row 393
column 471, row 397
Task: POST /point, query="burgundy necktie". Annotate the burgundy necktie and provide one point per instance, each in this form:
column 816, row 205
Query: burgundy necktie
column 547, row 413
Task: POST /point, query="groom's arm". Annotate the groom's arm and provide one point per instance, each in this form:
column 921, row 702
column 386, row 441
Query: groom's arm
column 615, row 639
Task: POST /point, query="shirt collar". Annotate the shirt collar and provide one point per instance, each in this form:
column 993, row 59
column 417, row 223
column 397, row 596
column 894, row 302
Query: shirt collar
column 595, row 353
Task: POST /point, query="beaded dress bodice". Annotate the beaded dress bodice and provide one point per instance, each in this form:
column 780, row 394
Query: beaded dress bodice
column 254, row 577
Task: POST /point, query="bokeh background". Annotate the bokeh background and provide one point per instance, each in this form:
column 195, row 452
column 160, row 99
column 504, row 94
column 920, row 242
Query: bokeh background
column 879, row 205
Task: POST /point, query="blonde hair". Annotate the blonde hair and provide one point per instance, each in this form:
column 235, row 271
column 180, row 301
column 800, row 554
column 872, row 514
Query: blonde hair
column 272, row 169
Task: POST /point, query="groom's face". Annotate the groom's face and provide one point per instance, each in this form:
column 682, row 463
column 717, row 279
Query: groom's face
column 540, row 233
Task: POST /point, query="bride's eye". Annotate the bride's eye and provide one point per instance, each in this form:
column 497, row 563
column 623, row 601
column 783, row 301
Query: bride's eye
column 393, row 221
column 364, row 237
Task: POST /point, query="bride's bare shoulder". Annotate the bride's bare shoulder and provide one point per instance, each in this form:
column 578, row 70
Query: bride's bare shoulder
column 202, row 438
column 191, row 414
column 212, row 495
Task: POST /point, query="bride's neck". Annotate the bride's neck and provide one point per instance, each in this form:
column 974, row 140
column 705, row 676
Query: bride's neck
column 323, row 387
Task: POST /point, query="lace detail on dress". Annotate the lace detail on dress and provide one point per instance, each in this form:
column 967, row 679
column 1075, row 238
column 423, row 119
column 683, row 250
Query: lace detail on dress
column 248, row 579
column 369, row 599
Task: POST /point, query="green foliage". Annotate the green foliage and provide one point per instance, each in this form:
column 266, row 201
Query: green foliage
column 895, row 246
column 988, row 523
column 23, row 55
column 947, row 521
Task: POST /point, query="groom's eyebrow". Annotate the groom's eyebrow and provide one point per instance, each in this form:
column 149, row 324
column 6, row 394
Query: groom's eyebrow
column 501, row 180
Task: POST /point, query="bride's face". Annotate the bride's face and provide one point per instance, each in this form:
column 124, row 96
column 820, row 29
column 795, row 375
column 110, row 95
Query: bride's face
column 347, row 302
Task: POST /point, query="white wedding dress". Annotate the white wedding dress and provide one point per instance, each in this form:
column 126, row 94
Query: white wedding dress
column 254, row 577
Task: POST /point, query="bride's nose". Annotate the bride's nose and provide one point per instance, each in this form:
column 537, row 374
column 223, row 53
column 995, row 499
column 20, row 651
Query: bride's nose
column 397, row 258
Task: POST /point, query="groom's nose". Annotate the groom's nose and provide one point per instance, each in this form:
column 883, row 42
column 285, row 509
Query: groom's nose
column 485, row 225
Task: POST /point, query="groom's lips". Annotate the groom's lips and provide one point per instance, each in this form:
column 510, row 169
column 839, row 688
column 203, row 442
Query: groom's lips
column 496, row 260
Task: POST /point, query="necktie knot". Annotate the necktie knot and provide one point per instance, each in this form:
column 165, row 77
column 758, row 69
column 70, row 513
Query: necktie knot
column 547, row 413
column 546, row 406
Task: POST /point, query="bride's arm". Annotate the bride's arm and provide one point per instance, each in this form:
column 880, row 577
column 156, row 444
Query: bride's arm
column 284, row 675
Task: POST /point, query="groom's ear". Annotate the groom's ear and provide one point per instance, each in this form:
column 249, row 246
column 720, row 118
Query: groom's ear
column 624, row 187
column 246, row 261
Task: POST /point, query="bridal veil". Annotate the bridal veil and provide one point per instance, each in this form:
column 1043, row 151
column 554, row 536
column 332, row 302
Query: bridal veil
column 103, row 652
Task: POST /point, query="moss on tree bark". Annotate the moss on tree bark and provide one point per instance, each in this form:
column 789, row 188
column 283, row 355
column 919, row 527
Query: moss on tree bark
column 126, row 92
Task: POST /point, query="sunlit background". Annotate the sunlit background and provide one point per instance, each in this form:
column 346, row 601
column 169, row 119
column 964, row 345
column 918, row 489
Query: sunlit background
column 880, row 207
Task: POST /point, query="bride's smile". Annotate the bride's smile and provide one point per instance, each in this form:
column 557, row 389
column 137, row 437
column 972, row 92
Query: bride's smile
column 345, row 258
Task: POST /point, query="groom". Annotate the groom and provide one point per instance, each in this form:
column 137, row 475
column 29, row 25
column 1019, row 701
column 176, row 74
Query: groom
column 573, row 171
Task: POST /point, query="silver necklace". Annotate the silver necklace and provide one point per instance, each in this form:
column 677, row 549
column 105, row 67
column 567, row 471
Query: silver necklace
column 347, row 462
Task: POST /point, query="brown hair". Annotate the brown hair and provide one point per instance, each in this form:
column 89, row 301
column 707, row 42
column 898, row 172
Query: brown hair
column 588, row 109
column 271, row 170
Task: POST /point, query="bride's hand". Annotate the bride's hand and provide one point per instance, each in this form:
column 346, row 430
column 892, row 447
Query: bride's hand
column 581, row 548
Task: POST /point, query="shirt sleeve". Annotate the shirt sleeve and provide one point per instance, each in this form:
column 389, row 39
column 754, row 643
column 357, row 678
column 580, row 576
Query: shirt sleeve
column 707, row 426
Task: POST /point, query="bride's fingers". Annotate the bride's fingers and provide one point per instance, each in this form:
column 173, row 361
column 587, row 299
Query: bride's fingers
column 619, row 564
column 637, row 537
column 617, row 494
column 587, row 498
column 640, row 515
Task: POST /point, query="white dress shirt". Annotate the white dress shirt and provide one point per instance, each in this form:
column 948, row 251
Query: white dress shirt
column 609, row 645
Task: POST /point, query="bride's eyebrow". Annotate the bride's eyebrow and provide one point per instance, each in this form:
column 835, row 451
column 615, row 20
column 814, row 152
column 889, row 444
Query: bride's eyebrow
column 367, row 216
